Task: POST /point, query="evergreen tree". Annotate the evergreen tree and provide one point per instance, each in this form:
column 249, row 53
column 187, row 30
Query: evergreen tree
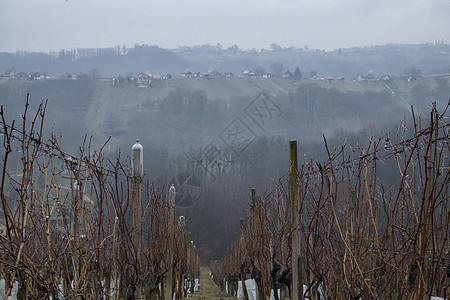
column 297, row 74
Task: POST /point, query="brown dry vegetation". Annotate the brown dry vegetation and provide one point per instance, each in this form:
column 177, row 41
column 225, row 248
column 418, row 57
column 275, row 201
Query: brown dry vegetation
column 68, row 223
column 360, row 238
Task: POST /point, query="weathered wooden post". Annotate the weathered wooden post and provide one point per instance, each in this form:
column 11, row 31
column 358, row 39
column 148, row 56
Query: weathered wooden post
column 258, row 285
column 137, row 171
column 189, row 289
column 235, row 261
column 77, row 198
column 181, row 275
column 297, row 283
column 243, row 274
column 116, row 251
column 353, row 215
column 169, row 275
column 366, row 289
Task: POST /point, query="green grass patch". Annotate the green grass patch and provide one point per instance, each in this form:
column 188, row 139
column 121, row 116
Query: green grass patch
column 208, row 289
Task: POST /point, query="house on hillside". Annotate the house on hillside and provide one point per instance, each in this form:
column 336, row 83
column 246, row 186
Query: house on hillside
column 41, row 76
column 204, row 75
column 248, row 73
column 341, row 79
column 410, row 77
column 144, row 79
column 115, row 81
column 365, row 77
column 286, row 74
column 386, row 78
column 74, row 76
column 228, row 74
column 10, row 73
column 215, row 73
column 329, row 79
column 156, row 77
column 186, row 74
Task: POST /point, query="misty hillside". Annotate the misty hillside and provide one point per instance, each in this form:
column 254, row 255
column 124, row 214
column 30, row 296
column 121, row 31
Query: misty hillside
column 188, row 113
column 225, row 131
column 387, row 59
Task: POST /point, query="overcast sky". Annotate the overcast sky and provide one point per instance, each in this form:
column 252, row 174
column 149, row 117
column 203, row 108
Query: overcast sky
column 44, row 25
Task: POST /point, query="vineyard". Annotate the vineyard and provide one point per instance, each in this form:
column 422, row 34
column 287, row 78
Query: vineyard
column 69, row 226
column 88, row 227
column 337, row 230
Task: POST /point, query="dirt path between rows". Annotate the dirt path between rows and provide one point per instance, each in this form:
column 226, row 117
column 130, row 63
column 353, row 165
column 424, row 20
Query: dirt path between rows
column 208, row 289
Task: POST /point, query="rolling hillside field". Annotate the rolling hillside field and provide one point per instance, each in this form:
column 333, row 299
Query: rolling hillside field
column 192, row 112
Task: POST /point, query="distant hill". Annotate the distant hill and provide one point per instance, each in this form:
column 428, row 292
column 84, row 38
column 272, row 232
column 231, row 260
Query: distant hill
column 386, row 59
column 188, row 113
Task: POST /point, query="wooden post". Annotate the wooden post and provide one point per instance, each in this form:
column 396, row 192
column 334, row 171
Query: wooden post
column 258, row 286
column 282, row 292
column 117, row 250
column 235, row 261
column 189, row 266
column 243, row 275
column 314, row 294
column 353, row 215
column 77, row 198
column 108, row 284
column 169, row 275
column 366, row 288
column 263, row 280
column 137, row 170
column 297, row 283
column 182, row 294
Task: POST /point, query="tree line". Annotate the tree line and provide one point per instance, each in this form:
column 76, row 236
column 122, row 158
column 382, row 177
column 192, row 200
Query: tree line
column 113, row 61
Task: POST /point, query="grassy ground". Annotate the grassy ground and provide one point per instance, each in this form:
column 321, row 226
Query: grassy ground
column 208, row 289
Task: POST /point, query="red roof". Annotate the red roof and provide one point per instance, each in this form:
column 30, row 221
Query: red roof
column 143, row 75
